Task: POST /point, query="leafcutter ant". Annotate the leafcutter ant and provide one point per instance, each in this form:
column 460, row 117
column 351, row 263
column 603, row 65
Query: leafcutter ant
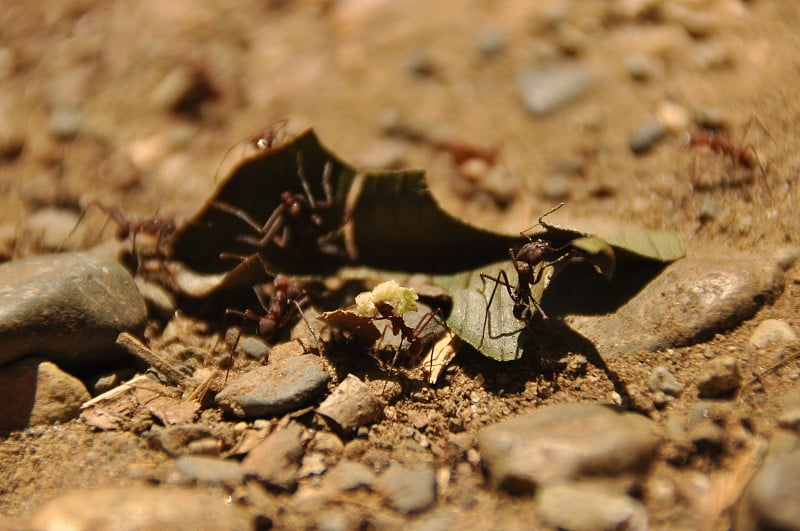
column 417, row 337
column 158, row 227
column 529, row 261
column 295, row 220
column 286, row 302
column 744, row 156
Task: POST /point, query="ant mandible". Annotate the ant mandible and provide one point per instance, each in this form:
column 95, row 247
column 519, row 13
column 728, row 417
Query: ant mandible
column 296, row 216
column 539, row 253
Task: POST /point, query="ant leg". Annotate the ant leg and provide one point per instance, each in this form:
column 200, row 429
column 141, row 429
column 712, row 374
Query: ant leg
column 304, row 182
column 327, row 169
column 497, row 282
column 238, row 212
column 541, row 223
column 299, row 305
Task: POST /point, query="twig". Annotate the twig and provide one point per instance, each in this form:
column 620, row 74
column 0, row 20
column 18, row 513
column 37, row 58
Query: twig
column 138, row 349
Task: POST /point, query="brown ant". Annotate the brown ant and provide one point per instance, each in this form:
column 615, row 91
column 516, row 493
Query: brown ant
column 295, row 218
column 159, row 227
column 533, row 253
column 414, row 336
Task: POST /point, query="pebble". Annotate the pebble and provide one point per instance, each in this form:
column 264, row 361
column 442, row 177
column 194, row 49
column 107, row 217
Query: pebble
column 599, row 509
column 646, row 136
column 675, row 117
column 8, row 63
column 774, row 493
column 640, row 67
column 69, row 308
column 549, row 88
column 556, row 188
column 53, row 229
column 719, row 377
column 663, row 380
column 175, row 440
column 348, row 475
column 211, row 470
column 282, row 386
column 175, row 88
column 772, row 331
column 141, row 507
column 565, row 441
column 351, row 405
column 491, row 43
column 253, row 347
column 65, row 122
column 407, row 489
column 36, row 392
column 707, row 294
column 276, row 461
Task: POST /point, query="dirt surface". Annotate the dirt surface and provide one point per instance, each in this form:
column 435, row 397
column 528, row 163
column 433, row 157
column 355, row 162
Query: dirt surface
column 347, row 68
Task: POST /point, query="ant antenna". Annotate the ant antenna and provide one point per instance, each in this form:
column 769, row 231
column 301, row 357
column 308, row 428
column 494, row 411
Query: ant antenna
column 541, row 222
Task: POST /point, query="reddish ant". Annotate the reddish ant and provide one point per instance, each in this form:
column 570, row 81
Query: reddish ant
column 159, row 227
column 539, row 253
column 744, row 156
column 273, row 135
column 414, row 336
column 296, row 217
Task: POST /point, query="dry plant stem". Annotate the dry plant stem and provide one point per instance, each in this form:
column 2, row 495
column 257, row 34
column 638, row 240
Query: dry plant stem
column 769, row 370
column 138, row 349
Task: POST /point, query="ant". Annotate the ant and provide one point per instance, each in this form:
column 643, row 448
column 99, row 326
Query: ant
column 414, row 336
column 273, row 135
column 539, row 253
column 296, row 216
column 159, row 227
column 744, row 156
column 286, row 303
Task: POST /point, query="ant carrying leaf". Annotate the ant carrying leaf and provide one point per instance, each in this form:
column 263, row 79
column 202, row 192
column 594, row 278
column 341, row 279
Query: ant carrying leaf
column 391, row 303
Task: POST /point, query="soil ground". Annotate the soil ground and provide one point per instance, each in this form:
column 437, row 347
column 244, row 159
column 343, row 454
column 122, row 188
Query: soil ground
column 345, row 68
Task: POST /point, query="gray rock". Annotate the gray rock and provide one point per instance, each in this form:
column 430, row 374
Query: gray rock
column 663, row 380
column 282, row 386
column 276, row 461
column 579, row 507
column 67, row 307
column 692, row 299
column 351, row 405
column 38, row 392
column 772, row 331
column 53, row 229
column 131, row 508
column 175, row 440
column 548, row 88
column 719, row 377
column 565, row 441
column 66, row 122
column 253, row 347
column 211, row 470
column 492, row 43
column 348, row 475
column 647, row 135
column 407, row 489
column 774, row 493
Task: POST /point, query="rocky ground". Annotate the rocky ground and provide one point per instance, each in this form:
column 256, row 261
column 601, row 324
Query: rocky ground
column 678, row 410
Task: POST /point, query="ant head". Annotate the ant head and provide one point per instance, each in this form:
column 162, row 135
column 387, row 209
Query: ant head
column 266, row 327
column 297, row 208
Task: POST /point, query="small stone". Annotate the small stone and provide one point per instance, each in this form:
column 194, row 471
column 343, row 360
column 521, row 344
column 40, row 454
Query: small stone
column 774, row 493
column 211, row 470
column 772, row 331
column 647, row 135
column 38, row 392
column 719, row 377
column 65, row 122
column 589, row 508
column 348, row 475
column 276, row 461
column 253, row 347
column 565, row 441
column 351, row 405
column 175, row 440
column 708, row 210
column 492, row 43
column 54, row 230
column 408, row 489
column 69, row 307
column 663, row 380
column 283, row 385
column 142, row 508
column 547, row 89
column 556, row 188
column 183, row 89
column 640, row 67
column 675, row 117
column 421, row 64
